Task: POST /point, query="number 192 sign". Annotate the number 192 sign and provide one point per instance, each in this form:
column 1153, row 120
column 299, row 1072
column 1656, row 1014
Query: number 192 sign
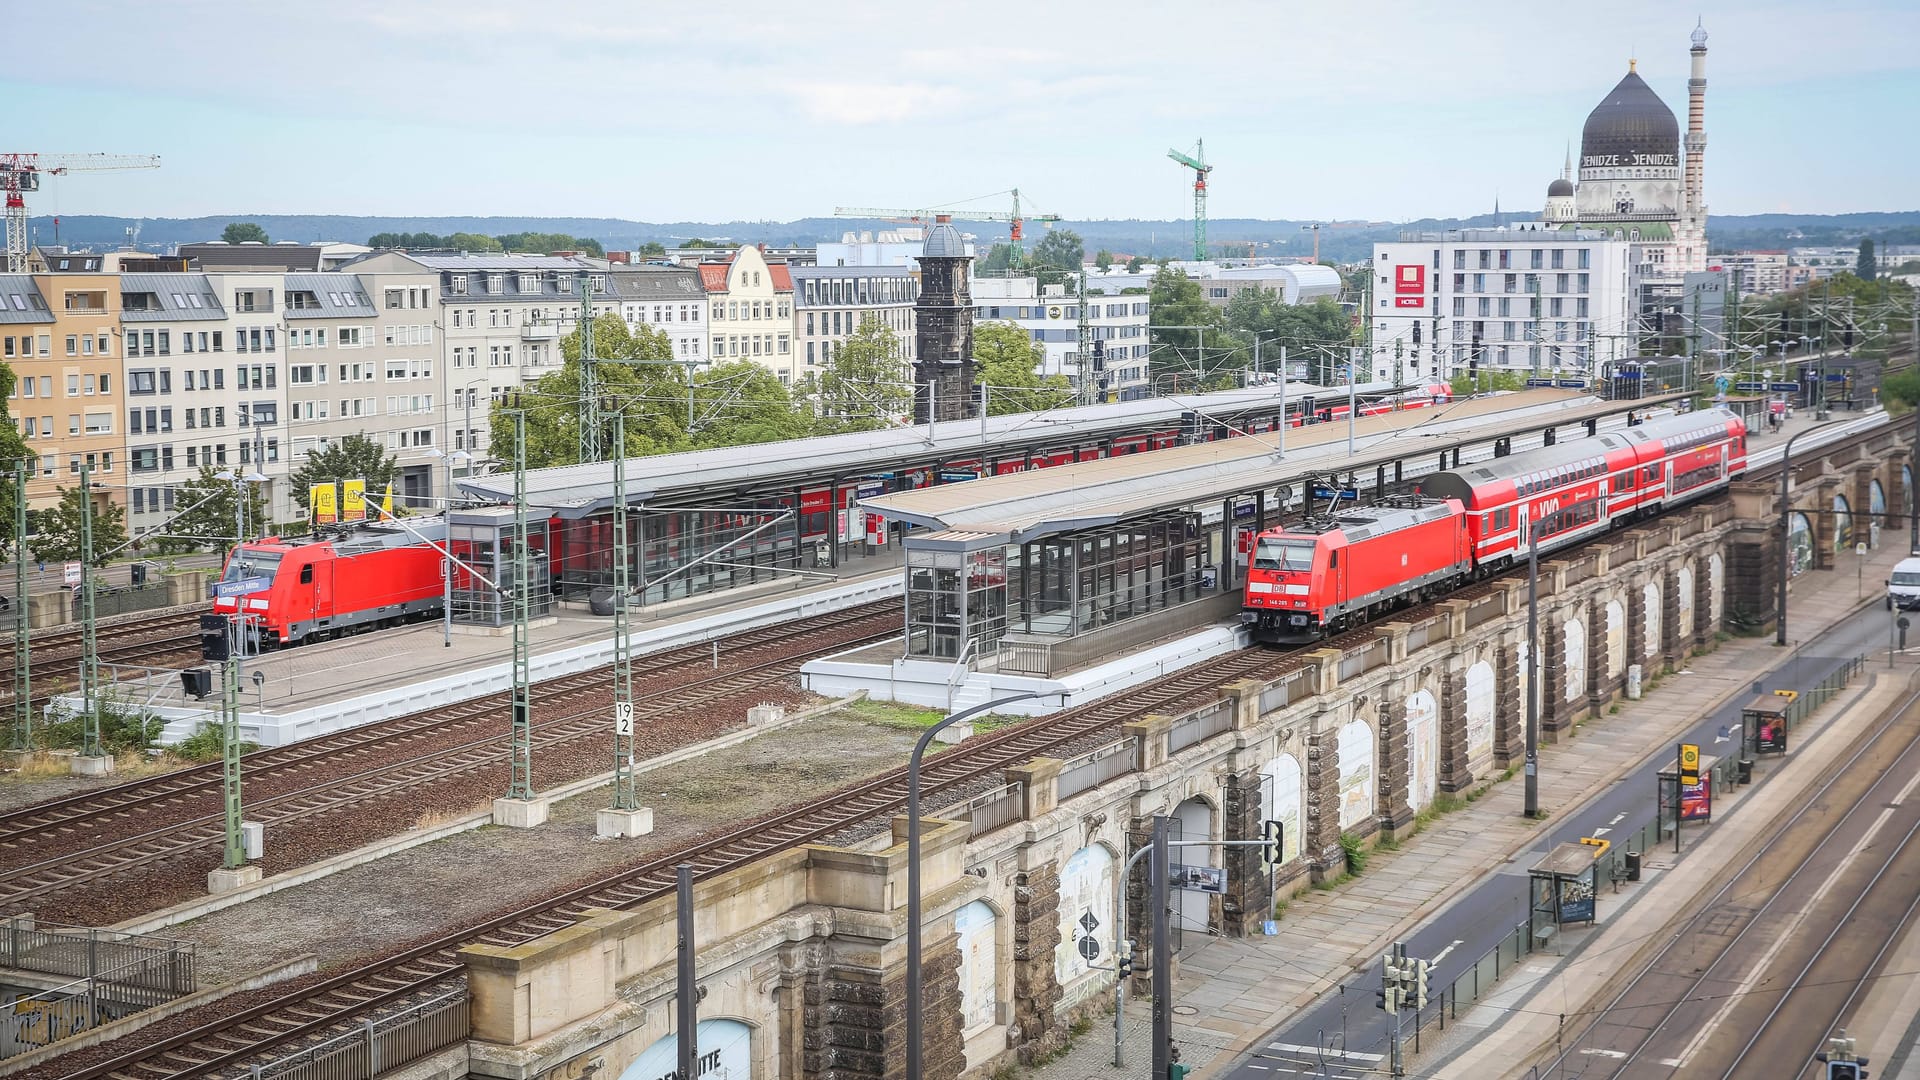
column 623, row 718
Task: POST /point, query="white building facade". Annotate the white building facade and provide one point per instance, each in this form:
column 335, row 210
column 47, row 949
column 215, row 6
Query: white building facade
column 668, row 299
column 830, row 302
column 1530, row 299
column 1115, row 368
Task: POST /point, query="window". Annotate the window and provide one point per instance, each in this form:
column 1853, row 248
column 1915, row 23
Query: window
column 99, row 423
column 458, row 283
column 73, row 345
column 141, row 382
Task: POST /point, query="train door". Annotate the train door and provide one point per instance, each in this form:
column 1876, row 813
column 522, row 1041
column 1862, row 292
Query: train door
column 317, row 582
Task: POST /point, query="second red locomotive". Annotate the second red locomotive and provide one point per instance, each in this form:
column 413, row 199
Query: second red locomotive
column 1325, row 575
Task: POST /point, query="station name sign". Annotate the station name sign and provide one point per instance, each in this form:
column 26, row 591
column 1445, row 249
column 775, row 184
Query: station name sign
column 1629, row 161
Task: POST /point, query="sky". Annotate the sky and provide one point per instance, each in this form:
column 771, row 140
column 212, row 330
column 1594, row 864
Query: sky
column 771, row 111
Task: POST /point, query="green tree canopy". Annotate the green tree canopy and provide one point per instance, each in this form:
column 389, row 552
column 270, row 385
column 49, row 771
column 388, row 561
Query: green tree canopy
column 1260, row 314
column 1865, row 267
column 740, row 403
column 631, row 371
column 1103, row 259
column 652, row 249
column 694, row 243
column 58, row 539
column 997, row 260
column 356, row 457
column 241, row 232
column 866, row 385
column 1007, row 361
column 13, row 450
column 1176, row 300
column 206, row 516
column 1058, row 257
column 542, row 243
column 1136, row 264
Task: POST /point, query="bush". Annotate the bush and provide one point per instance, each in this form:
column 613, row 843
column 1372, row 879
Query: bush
column 1356, row 852
column 205, row 745
column 122, row 727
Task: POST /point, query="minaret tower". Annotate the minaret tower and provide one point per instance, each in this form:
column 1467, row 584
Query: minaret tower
column 943, row 330
column 1692, row 233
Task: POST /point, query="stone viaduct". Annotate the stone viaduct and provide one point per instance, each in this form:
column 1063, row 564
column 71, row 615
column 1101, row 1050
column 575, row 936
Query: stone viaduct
column 801, row 955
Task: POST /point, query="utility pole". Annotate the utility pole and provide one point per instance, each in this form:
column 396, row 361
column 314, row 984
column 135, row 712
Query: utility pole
column 624, row 796
column 687, row 992
column 1085, row 376
column 1532, row 807
column 1158, row 871
column 521, row 787
column 589, row 378
column 235, row 854
column 22, row 646
column 90, row 745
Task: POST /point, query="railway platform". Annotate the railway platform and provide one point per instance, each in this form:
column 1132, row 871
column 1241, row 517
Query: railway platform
column 298, row 693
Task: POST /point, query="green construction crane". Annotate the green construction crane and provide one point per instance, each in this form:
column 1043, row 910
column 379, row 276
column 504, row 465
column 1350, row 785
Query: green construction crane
column 1198, row 163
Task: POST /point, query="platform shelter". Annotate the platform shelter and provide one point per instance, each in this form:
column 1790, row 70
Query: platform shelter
column 1046, row 570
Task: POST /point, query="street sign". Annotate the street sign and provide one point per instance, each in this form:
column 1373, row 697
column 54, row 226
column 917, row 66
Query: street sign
column 1330, row 493
column 1689, row 764
column 242, row 586
column 1750, row 387
column 1839, row 377
column 1784, row 387
column 72, row 573
column 1581, row 384
column 1206, row 879
column 623, row 717
column 1538, row 383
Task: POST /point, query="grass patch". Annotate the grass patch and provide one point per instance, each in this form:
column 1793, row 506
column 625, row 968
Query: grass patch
column 205, row 745
column 1330, row 884
column 914, row 717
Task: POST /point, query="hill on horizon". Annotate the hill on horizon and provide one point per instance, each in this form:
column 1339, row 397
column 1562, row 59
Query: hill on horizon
column 1152, row 238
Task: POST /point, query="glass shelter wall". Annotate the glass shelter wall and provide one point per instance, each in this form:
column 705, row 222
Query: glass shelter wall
column 955, row 599
column 1069, row 585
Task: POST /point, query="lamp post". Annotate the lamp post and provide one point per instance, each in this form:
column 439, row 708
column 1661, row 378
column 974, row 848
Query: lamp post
column 1531, row 808
column 914, row 1018
column 1786, row 519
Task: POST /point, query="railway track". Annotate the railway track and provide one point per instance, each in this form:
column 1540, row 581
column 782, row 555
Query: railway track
column 221, row 1047
column 383, row 758
column 56, row 654
column 1690, row 998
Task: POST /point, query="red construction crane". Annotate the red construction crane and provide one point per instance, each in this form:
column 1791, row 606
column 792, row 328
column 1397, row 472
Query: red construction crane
column 20, row 173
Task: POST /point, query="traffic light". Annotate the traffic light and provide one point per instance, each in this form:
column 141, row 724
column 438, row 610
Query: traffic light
column 1124, row 964
column 213, row 637
column 1276, row 833
column 1846, row 1070
column 1388, row 997
column 1420, row 970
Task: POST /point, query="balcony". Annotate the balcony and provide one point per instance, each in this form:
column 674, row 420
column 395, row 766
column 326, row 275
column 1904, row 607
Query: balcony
column 539, row 331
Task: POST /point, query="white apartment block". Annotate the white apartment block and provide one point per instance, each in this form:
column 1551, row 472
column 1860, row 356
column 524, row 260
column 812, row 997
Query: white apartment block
column 1117, row 368
column 830, row 303
column 669, row 299
column 750, row 312
column 1545, row 299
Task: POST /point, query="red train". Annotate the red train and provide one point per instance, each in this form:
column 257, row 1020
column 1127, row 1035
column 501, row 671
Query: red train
column 372, row 575
column 1327, row 574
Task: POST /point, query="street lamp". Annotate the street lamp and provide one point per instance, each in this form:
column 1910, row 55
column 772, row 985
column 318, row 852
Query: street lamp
column 914, row 1019
column 1786, row 519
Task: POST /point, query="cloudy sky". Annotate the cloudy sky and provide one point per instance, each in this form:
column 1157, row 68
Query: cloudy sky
column 751, row 110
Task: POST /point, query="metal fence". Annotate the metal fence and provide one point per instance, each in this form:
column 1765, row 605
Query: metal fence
column 988, row 810
column 379, row 1045
column 1095, row 767
column 1283, row 691
column 84, row 952
column 1198, row 727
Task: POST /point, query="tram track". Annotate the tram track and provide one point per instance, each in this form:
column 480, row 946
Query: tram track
column 1706, row 998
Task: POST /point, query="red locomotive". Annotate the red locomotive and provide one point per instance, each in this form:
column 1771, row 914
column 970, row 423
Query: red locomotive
column 371, row 575
column 1327, row 574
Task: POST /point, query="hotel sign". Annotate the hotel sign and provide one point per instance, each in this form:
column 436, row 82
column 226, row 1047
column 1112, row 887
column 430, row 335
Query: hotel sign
column 1629, row 161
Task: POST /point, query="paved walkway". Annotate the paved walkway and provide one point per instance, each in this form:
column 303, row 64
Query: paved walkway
column 1231, row 992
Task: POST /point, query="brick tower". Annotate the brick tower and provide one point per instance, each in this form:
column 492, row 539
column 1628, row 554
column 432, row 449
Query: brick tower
column 943, row 370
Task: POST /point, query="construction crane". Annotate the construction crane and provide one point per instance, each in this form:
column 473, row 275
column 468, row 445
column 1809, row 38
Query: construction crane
column 20, row 173
column 1016, row 221
column 1198, row 163
column 1318, row 225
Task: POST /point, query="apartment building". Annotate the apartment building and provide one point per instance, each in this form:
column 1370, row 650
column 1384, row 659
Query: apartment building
column 830, row 303
column 1118, row 324
column 500, row 317
column 75, row 368
column 26, row 346
column 669, row 299
column 181, row 405
column 750, row 312
column 358, row 367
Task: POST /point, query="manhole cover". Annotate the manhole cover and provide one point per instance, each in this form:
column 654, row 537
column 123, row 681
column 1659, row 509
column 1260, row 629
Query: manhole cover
column 1185, row 1010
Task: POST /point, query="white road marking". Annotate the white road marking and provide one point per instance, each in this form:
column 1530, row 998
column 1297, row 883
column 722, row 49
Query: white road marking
column 1602, row 1053
column 1793, row 925
column 1600, row 832
column 1314, row 1051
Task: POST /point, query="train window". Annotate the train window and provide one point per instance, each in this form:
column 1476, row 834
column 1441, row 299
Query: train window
column 1288, row 555
column 306, row 574
column 248, row 563
column 1333, row 558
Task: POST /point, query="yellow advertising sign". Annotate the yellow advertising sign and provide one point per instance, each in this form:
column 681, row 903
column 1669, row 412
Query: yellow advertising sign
column 386, row 502
column 1689, row 763
column 320, row 498
column 353, row 502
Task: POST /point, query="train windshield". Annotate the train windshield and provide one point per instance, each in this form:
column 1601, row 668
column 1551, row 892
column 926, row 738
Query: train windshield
column 247, row 563
column 1288, row 555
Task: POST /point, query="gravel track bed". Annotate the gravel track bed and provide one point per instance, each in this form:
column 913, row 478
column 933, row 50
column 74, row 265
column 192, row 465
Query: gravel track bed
column 280, row 781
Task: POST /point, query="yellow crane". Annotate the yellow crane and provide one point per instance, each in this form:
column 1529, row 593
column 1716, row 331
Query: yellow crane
column 20, row 173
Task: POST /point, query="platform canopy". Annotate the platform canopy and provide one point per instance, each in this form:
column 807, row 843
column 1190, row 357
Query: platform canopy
column 579, row 490
column 1027, row 506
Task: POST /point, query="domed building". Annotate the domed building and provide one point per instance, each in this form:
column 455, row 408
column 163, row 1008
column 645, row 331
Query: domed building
column 1637, row 179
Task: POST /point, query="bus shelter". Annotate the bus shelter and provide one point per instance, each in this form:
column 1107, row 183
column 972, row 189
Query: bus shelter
column 1764, row 724
column 1563, row 885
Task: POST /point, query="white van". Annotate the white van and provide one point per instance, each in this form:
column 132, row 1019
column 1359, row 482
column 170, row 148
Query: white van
column 1903, row 588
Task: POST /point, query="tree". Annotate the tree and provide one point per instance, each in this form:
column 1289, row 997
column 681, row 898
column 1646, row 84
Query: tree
column 742, row 402
column 13, row 449
column 1901, row 386
column 695, row 243
column 206, row 516
column 998, row 259
column 1300, row 328
column 1136, row 264
column 1176, row 300
column 542, row 243
column 865, row 386
column 356, row 457
column 651, row 249
column 1007, row 361
column 59, row 537
column 241, row 232
column 1865, row 268
column 461, row 241
column 633, row 371
column 1058, row 256
column 1103, row 259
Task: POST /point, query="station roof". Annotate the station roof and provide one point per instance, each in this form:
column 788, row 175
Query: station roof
column 1045, row 502
column 579, row 490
